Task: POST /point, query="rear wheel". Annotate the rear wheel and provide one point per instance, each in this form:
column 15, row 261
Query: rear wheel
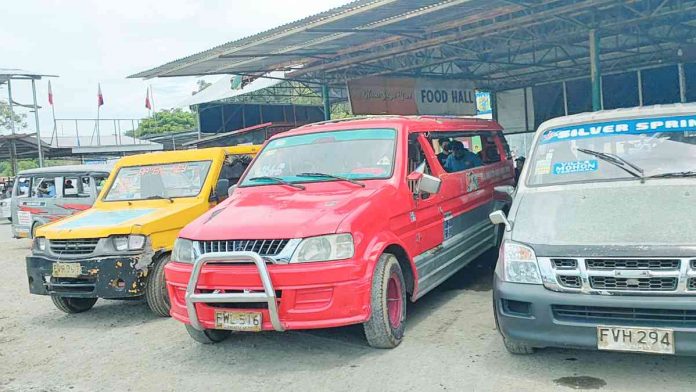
column 207, row 336
column 156, row 288
column 385, row 328
column 73, row 305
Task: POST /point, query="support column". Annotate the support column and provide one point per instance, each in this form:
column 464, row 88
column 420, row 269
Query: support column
column 13, row 144
column 327, row 102
column 682, row 83
column 595, row 71
column 39, row 144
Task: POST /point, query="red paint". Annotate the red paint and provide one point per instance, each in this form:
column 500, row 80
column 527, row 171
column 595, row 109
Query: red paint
column 33, row 210
column 72, row 206
column 394, row 301
column 329, row 294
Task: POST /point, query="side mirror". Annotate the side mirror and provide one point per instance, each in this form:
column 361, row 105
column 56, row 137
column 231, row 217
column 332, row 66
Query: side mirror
column 425, row 183
column 498, row 218
column 231, row 189
column 221, row 188
column 507, row 189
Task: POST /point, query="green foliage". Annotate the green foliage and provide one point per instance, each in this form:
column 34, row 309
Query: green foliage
column 7, row 117
column 165, row 121
column 24, row 164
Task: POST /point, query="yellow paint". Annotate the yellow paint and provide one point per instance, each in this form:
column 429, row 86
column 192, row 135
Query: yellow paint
column 162, row 226
column 119, row 264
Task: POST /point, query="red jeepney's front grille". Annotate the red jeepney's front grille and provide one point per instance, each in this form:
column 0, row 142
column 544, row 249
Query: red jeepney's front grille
column 262, row 247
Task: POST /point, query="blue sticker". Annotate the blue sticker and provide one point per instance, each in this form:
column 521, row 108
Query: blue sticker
column 628, row 127
column 575, row 167
column 94, row 218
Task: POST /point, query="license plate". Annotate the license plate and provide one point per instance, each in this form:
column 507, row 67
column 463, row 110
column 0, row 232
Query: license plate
column 238, row 321
column 644, row 340
column 66, row 270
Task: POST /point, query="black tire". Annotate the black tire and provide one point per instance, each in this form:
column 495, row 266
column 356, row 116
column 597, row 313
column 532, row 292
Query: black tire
column 517, row 348
column 156, row 288
column 208, row 336
column 379, row 329
column 73, row 305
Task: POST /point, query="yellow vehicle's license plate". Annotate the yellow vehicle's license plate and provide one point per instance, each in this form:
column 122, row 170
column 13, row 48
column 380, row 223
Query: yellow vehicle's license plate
column 238, row 321
column 66, row 270
column 644, row 340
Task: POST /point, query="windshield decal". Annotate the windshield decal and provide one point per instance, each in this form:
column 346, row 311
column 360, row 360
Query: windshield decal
column 630, row 127
column 94, row 218
column 575, row 167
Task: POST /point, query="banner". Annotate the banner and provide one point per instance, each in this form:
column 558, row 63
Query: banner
column 379, row 95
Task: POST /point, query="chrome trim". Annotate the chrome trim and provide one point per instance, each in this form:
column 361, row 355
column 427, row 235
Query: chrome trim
column 282, row 257
column 232, row 258
column 549, row 276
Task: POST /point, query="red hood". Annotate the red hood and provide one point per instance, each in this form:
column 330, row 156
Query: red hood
column 270, row 212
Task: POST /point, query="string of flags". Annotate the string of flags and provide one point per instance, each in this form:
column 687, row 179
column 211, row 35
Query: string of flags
column 100, row 96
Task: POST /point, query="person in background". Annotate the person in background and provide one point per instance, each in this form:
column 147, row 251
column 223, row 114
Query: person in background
column 461, row 158
column 519, row 164
column 445, row 145
column 47, row 189
column 68, row 185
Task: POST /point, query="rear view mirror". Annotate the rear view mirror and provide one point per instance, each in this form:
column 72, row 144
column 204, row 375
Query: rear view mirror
column 221, row 188
column 425, row 183
column 498, row 218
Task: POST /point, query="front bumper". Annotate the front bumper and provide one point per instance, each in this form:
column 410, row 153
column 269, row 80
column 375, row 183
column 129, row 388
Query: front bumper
column 102, row 277
column 306, row 296
column 532, row 319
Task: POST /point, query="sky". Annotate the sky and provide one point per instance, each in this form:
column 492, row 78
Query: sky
column 103, row 41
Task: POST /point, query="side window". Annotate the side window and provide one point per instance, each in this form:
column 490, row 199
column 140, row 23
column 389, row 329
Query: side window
column 72, row 187
column 506, row 146
column 489, row 152
column 416, row 161
column 99, row 181
column 23, row 187
column 234, row 167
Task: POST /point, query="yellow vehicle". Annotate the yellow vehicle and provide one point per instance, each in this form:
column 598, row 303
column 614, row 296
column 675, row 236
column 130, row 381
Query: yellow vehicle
column 118, row 248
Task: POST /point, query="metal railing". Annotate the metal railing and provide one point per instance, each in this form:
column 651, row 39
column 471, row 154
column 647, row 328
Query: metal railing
column 90, row 132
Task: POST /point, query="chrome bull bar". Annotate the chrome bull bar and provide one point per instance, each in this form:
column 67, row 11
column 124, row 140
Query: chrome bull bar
column 267, row 296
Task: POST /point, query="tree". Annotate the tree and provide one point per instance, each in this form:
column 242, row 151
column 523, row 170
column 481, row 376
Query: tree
column 202, row 85
column 7, row 117
column 165, row 121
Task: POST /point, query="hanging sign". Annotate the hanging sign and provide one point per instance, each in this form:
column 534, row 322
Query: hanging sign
column 405, row 96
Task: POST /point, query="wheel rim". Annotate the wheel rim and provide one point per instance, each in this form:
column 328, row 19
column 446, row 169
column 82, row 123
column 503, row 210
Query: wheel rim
column 394, row 301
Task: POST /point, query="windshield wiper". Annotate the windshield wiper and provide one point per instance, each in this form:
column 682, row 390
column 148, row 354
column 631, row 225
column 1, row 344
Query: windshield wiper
column 158, row 197
column 617, row 161
column 341, row 178
column 691, row 173
column 277, row 180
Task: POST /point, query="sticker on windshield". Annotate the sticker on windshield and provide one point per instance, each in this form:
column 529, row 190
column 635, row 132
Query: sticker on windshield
column 542, row 167
column 628, row 127
column 575, row 167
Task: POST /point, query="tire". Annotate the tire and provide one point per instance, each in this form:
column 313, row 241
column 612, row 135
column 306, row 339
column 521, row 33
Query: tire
column 73, row 305
column 517, row 348
column 208, row 336
column 385, row 328
column 33, row 229
column 156, row 288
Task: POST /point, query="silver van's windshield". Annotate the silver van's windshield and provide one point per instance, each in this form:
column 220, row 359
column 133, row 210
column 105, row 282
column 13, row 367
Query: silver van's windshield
column 615, row 150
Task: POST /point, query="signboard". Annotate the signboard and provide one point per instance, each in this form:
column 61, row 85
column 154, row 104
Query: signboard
column 379, row 95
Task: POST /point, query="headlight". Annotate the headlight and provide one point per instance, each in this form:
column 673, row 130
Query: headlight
column 128, row 242
column 40, row 244
column 183, row 251
column 324, row 248
column 519, row 264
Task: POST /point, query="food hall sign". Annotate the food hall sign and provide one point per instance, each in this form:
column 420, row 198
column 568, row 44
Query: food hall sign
column 378, row 95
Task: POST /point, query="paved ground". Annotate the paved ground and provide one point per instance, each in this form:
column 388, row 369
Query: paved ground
column 451, row 344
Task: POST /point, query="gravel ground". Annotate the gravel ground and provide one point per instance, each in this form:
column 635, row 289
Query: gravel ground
column 451, row 344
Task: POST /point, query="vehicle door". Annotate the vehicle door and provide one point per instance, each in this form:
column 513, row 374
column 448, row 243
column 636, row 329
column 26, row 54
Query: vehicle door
column 426, row 225
column 35, row 209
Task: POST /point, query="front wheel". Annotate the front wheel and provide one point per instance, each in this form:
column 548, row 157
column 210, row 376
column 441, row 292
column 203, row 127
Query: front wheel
column 207, row 336
column 385, row 328
column 73, row 305
column 156, row 289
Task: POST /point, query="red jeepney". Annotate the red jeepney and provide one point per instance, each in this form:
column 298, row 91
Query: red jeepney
column 339, row 223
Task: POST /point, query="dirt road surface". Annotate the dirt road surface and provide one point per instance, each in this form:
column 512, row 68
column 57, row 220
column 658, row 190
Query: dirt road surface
column 451, row 345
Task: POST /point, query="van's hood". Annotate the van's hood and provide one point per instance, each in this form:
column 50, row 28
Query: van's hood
column 99, row 222
column 269, row 212
column 658, row 212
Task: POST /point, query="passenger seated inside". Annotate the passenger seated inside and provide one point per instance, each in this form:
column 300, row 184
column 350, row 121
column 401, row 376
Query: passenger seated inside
column 445, row 144
column 47, row 189
column 461, row 158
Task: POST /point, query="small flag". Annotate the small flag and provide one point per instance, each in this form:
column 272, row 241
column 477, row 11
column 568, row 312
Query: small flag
column 100, row 97
column 148, row 105
column 50, row 94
